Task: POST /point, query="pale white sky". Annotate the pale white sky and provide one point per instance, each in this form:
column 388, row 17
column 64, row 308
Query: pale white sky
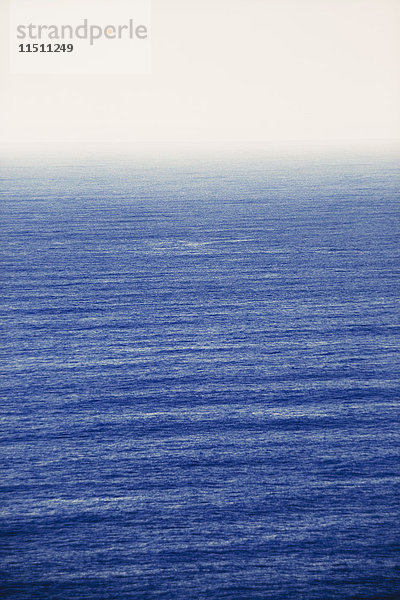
column 227, row 71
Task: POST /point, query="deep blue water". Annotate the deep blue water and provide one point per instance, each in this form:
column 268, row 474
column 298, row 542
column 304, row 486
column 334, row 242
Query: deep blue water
column 201, row 380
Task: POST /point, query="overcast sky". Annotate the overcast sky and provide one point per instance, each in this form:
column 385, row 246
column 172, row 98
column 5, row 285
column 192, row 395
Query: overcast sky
column 227, row 70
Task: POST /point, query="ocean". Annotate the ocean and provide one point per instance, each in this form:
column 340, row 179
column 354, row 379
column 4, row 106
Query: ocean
column 200, row 381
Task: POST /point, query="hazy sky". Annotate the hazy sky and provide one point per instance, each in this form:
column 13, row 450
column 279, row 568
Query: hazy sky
column 227, row 70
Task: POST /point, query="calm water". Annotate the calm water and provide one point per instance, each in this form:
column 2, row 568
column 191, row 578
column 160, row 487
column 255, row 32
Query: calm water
column 200, row 390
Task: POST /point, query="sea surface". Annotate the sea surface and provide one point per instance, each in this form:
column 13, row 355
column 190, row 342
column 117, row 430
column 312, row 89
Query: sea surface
column 200, row 379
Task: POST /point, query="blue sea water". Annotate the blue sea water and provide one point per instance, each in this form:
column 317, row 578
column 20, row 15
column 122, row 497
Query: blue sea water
column 200, row 380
